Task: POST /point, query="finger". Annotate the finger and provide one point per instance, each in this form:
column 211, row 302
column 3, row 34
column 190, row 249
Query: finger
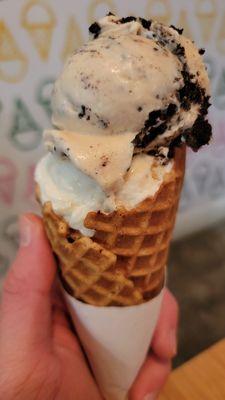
column 60, row 313
column 150, row 379
column 26, row 301
column 59, row 317
column 164, row 343
column 63, row 332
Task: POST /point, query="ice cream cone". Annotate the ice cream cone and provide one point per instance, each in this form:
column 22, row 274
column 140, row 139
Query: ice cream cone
column 109, row 196
column 206, row 14
column 41, row 28
column 13, row 63
column 124, row 263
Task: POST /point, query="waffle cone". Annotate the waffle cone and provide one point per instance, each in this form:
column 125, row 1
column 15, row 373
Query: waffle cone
column 124, row 262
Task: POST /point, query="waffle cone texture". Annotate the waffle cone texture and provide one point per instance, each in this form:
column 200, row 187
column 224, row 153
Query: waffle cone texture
column 124, row 263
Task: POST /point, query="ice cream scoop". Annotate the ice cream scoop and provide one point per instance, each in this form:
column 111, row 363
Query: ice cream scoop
column 120, row 73
column 137, row 86
column 73, row 194
column 133, row 76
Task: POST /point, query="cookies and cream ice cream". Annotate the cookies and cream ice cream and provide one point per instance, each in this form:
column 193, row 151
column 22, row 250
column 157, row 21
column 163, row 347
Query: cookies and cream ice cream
column 122, row 103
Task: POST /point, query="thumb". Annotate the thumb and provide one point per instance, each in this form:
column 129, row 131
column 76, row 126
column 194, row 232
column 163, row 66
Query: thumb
column 26, row 301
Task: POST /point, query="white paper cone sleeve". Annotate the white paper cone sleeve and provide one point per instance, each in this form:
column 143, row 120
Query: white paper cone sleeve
column 116, row 341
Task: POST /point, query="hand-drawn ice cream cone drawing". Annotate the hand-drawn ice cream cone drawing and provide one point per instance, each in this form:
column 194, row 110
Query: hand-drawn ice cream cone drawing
column 43, row 95
column 159, row 10
column 13, row 63
column 73, row 39
column 103, row 6
column 221, row 36
column 8, row 175
column 206, row 15
column 26, row 132
column 185, row 24
column 39, row 21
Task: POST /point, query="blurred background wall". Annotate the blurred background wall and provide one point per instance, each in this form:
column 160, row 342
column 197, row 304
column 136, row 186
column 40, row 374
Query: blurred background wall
column 36, row 36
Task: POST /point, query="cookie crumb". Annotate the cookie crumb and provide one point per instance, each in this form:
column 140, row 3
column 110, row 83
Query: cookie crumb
column 146, row 23
column 83, row 112
column 201, row 51
column 95, row 29
column 179, row 30
column 127, row 19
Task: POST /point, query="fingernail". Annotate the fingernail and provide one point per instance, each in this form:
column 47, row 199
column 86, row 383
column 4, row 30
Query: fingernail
column 173, row 341
column 151, row 396
column 25, row 231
